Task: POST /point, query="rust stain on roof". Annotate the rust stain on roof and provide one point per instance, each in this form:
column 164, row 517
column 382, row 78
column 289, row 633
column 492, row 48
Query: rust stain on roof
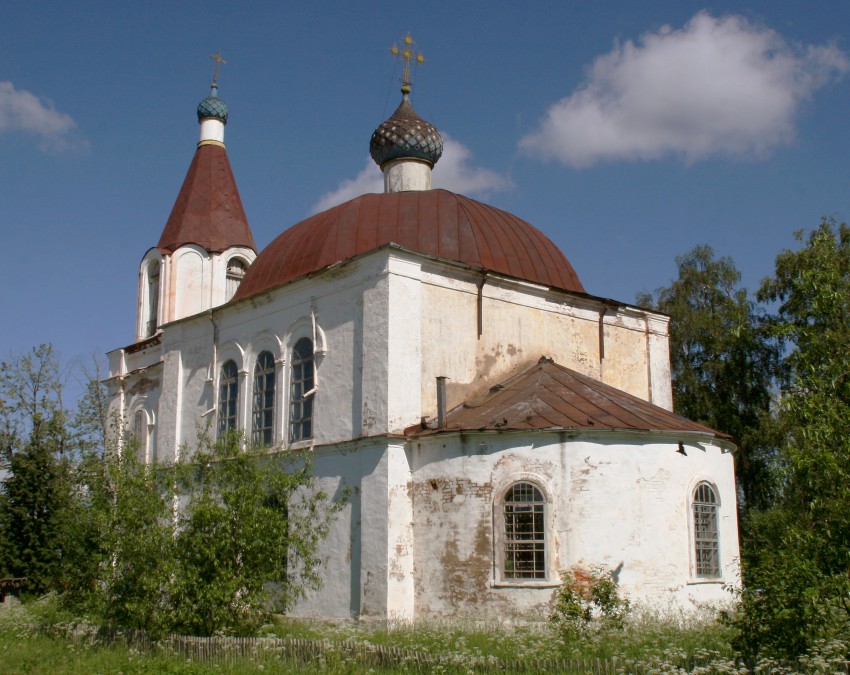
column 208, row 210
column 437, row 223
column 551, row 396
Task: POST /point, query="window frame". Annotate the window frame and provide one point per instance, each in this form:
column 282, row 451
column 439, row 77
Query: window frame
column 264, row 400
column 151, row 317
column 302, row 389
column 511, row 547
column 234, row 276
column 228, row 398
column 705, row 532
column 139, row 432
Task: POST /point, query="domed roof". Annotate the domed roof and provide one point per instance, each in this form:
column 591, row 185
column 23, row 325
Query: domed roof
column 432, row 222
column 405, row 135
column 213, row 106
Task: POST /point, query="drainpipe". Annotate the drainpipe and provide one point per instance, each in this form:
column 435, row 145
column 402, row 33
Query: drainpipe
column 441, row 401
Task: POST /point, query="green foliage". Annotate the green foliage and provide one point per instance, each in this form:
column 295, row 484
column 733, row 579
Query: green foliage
column 213, row 544
column 248, row 536
column 797, row 588
column 588, row 601
column 723, row 362
column 36, row 493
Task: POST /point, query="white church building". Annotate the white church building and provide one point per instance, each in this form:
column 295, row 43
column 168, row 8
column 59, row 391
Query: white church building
column 493, row 422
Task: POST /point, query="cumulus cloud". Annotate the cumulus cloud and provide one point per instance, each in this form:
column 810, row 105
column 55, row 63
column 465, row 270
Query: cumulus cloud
column 720, row 86
column 454, row 172
column 22, row 111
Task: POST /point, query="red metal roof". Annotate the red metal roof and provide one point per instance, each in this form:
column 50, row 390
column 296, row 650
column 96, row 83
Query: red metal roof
column 208, row 211
column 433, row 222
column 550, row 396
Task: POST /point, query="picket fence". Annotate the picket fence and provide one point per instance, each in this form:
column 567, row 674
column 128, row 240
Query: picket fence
column 221, row 650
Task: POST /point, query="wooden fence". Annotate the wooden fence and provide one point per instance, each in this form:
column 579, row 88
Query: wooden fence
column 291, row 651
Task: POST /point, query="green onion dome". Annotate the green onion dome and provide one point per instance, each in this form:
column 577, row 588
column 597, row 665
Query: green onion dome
column 213, row 106
column 405, row 135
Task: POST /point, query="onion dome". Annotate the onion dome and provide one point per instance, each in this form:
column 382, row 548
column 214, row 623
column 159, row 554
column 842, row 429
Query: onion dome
column 213, row 106
column 405, row 135
column 434, row 223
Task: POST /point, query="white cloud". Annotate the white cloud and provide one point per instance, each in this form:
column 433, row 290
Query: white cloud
column 718, row 86
column 22, row 111
column 453, row 171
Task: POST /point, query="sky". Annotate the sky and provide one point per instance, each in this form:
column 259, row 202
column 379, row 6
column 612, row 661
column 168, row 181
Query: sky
column 626, row 132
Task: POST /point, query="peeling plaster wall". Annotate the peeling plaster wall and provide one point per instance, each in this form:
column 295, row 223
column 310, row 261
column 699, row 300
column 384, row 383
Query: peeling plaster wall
column 612, row 499
column 521, row 322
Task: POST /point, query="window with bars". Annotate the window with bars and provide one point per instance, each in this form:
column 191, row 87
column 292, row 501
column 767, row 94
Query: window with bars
column 301, row 390
column 228, row 394
column 706, row 537
column 263, row 412
column 524, row 513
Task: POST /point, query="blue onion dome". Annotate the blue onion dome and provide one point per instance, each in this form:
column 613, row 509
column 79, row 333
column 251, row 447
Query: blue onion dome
column 405, row 135
column 213, row 106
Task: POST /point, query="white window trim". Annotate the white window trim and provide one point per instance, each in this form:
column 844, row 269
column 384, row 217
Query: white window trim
column 499, row 580
column 696, row 579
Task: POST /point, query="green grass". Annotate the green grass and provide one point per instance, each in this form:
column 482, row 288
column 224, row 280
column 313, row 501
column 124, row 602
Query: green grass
column 454, row 647
column 645, row 637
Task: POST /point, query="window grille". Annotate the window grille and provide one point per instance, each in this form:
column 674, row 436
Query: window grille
column 228, row 394
column 301, row 390
column 524, row 511
column 263, row 413
column 706, row 538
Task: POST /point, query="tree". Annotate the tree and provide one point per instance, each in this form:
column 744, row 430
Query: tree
column 36, row 491
column 212, row 544
column 248, row 536
column 797, row 582
column 723, row 363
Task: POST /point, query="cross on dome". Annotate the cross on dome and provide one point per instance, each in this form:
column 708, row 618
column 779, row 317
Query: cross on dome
column 405, row 53
column 218, row 61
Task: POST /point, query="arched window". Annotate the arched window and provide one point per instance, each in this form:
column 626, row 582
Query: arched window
column 301, row 390
column 524, row 535
column 140, row 435
column 152, row 309
column 228, row 394
column 236, row 269
column 706, row 538
column 263, row 413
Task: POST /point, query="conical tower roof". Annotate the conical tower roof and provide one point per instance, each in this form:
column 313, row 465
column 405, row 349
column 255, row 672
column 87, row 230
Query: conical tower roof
column 208, row 210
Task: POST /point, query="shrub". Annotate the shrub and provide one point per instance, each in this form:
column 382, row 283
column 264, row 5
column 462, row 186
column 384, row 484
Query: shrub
column 587, row 601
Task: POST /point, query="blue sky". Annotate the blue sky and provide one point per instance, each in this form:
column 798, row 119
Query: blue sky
column 627, row 132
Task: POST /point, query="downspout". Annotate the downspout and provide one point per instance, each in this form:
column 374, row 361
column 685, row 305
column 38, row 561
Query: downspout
column 480, row 306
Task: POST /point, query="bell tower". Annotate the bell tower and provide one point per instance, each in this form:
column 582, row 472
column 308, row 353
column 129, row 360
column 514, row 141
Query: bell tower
column 207, row 245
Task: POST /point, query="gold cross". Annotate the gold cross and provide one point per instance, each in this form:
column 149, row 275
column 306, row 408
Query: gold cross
column 405, row 52
column 218, row 61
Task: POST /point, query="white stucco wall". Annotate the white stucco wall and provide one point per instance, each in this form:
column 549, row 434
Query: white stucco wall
column 417, row 537
column 617, row 500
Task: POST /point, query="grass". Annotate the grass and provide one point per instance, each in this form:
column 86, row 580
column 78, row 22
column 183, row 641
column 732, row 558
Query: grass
column 453, row 647
column 645, row 637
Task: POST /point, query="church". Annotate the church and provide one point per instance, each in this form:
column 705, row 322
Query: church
column 493, row 423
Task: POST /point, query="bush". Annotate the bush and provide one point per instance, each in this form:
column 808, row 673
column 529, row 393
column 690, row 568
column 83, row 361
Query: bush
column 587, row 601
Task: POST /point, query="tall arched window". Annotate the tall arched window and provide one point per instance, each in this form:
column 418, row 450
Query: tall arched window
column 236, row 269
column 228, row 394
column 140, row 435
column 301, row 390
column 524, row 535
column 263, row 412
column 152, row 309
column 706, row 537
